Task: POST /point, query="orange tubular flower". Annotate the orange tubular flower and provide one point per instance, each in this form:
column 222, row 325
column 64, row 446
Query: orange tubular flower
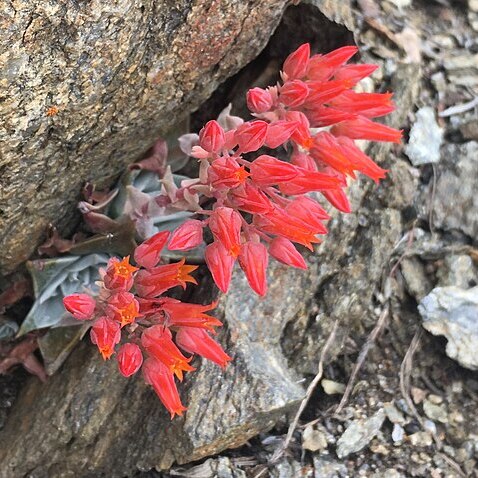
column 225, row 173
column 363, row 128
column 105, row 334
column 123, row 307
column 220, row 263
column 198, row 341
column 162, row 380
column 153, row 282
column 225, row 224
column 119, row 274
column 183, row 314
column 158, row 342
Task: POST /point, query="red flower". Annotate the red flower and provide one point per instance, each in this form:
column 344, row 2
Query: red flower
column 158, row 342
column 211, row 137
column 293, row 93
column 162, row 380
column 220, row 263
column 225, row 224
column 105, row 334
column 259, row 100
column 267, row 170
column 182, row 314
column 198, row 341
column 225, row 173
column 295, row 65
column 250, row 136
column 129, row 359
column 153, row 282
column 148, row 253
column 323, row 67
column 253, row 260
column 284, row 251
column 279, row 133
column 187, row 236
column 250, row 198
column 81, row 306
column 123, row 307
column 363, row 128
column 119, row 274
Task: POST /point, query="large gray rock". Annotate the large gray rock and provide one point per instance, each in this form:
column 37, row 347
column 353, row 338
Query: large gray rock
column 453, row 313
column 87, row 87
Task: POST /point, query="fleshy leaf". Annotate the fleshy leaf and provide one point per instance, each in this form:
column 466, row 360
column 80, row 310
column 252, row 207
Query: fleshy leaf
column 57, row 344
column 52, row 280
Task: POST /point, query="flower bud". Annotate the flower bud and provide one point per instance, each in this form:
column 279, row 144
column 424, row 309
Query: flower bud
column 259, row 100
column 148, row 253
column 105, row 334
column 279, row 132
column 295, row 65
column 81, row 306
column 211, row 137
column 129, row 359
column 253, row 260
column 268, row 171
column 220, row 263
column 293, row 93
column 251, row 135
column 187, row 236
column 198, row 341
column 284, row 251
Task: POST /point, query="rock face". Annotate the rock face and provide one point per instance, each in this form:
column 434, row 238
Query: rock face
column 89, row 86
column 453, row 312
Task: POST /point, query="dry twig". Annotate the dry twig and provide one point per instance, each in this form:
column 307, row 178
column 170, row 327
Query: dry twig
column 362, row 356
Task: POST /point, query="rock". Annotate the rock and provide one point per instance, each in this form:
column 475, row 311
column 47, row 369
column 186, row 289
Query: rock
column 393, row 414
column 388, row 473
column 89, row 86
column 398, row 433
column 401, row 3
column 456, row 201
column 469, row 130
column 89, row 410
column 425, row 138
column 287, row 468
column 332, row 388
column 462, row 69
column 421, row 439
column 359, row 434
column 473, row 5
column 221, row 467
column 325, row 467
column 435, row 412
column 313, row 439
column 416, row 279
column 458, row 270
column 453, row 312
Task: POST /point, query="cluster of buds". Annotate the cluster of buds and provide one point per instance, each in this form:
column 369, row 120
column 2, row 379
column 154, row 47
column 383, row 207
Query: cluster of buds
column 262, row 207
column 129, row 317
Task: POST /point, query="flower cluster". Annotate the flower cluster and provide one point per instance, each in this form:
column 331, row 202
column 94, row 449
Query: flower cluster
column 130, row 317
column 261, row 207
